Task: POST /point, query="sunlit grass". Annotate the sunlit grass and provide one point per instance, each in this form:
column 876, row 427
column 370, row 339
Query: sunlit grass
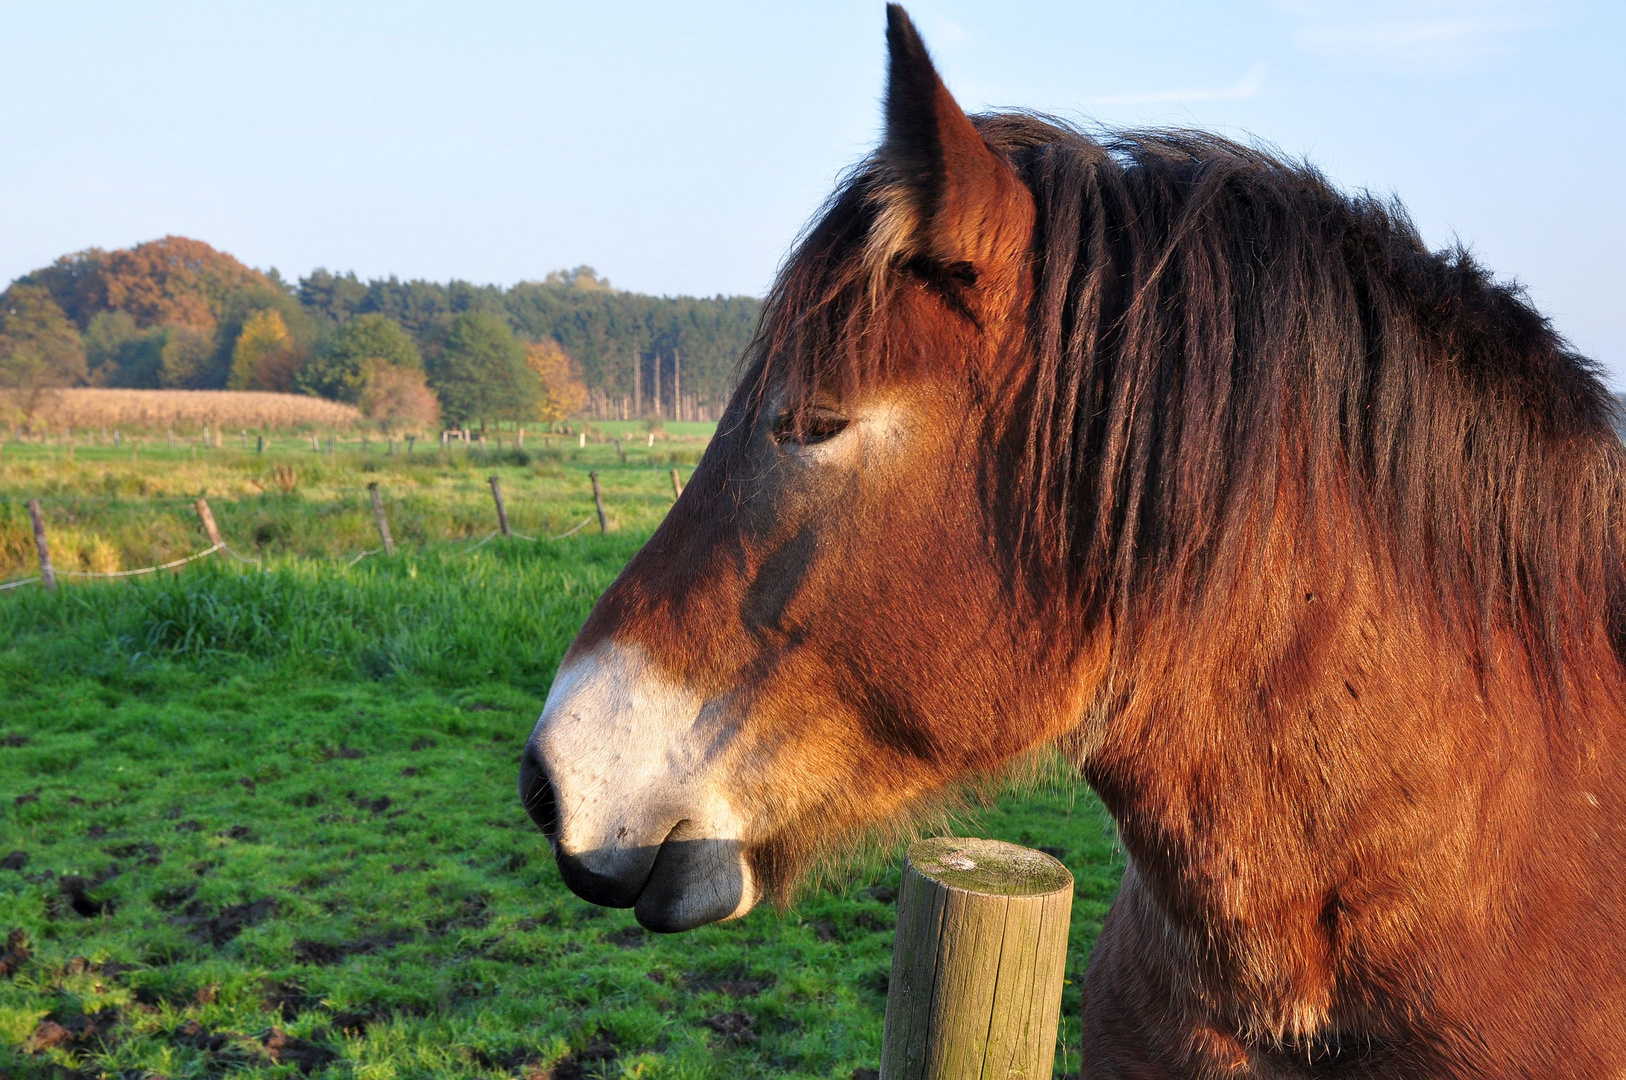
column 287, row 792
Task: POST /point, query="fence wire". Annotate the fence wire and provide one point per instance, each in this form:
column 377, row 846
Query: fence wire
column 260, row 564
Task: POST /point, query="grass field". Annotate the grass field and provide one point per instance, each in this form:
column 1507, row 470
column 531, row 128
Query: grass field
column 263, row 820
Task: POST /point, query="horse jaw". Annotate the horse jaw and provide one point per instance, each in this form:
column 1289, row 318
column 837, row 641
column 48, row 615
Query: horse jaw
column 630, row 758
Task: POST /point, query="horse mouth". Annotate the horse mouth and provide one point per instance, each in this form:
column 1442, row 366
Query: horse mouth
column 682, row 882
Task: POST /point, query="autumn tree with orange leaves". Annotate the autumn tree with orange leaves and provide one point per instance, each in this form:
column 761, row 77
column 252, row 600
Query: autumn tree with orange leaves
column 563, row 392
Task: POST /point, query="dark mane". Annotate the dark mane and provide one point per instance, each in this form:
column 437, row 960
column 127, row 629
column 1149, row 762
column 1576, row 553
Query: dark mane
column 1218, row 335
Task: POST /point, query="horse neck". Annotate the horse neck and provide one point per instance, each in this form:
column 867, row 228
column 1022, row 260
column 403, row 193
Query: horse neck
column 1315, row 767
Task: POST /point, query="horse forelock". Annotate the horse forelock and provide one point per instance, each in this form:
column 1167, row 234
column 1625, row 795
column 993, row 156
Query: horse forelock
column 1212, row 325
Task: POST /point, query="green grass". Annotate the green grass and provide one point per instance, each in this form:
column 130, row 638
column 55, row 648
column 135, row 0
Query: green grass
column 270, row 816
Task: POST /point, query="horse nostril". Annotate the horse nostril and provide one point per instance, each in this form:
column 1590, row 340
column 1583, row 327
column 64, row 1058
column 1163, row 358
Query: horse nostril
column 536, row 793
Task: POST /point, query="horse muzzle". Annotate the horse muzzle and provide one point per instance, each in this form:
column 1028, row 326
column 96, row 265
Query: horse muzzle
column 620, row 773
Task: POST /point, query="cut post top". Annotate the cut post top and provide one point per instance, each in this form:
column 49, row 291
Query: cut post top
column 991, row 867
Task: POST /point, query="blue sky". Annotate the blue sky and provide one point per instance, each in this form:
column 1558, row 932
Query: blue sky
column 679, row 148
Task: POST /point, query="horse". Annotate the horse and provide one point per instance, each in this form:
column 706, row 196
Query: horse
column 1301, row 541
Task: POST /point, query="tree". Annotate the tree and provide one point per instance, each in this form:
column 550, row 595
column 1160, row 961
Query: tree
column 265, row 357
column 184, row 358
column 563, row 392
column 40, row 349
column 584, row 278
column 480, row 373
column 106, row 338
column 398, row 396
column 340, row 370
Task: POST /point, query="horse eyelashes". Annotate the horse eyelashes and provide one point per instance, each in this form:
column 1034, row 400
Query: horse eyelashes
column 813, row 426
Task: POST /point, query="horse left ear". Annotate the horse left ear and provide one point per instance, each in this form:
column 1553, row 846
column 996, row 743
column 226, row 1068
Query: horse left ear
column 945, row 194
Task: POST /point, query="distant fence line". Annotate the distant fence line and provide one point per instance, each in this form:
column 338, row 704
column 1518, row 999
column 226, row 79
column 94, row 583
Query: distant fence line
column 48, row 574
column 215, row 437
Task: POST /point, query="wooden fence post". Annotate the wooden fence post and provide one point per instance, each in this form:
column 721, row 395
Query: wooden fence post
column 47, row 571
column 209, row 523
column 502, row 511
column 977, row 963
column 383, row 523
column 598, row 501
column 677, row 485
column 259, row 444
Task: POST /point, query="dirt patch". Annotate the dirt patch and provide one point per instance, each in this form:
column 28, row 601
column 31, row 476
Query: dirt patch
column 304, row 1055
column 288, row 1000
column 471, row 913
column 198, row 1037
column 224, row 925
column 628, row 937
column 75, row 891
column 734, row 1027
column 17, row 953
column 579, row 1064
column 144, row 852
column 74, row 1030
column 735, row 984
column 327, row 952
column 15, row 861
column 13, row 739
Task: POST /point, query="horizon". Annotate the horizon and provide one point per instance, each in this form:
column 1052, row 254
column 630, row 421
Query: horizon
column 681, row 153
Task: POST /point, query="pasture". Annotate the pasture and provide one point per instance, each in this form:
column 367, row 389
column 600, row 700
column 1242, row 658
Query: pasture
column 261, row 818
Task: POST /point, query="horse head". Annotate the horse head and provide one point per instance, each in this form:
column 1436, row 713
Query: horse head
column 830, row 626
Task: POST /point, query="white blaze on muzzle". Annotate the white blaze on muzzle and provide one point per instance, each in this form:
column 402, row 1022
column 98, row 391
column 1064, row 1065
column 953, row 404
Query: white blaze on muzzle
column 633, row 758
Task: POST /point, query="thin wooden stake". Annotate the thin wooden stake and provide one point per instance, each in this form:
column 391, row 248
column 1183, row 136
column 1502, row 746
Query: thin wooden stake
column 47, row 571
column 977, row 963
column 383, row 523
column 502, row 511
column 209, row 522
column 677, row 485
column 598, row 501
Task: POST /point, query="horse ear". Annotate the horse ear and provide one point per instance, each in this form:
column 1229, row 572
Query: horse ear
column 944, row 193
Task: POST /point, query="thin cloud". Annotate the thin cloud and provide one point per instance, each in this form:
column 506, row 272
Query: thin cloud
column 1422, row 36
column 1252, row 81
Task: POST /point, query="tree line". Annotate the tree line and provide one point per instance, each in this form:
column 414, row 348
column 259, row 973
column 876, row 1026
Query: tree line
column 177, row 313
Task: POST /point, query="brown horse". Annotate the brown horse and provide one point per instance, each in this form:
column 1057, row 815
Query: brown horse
column 1304, row 543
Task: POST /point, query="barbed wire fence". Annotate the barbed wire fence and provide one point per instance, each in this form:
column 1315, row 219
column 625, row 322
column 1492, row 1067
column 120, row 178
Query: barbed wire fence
column 48, row 574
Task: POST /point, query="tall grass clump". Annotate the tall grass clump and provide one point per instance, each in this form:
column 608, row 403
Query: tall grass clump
column 507, row 611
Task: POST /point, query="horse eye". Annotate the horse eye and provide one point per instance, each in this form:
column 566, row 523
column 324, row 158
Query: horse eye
column 815, row 425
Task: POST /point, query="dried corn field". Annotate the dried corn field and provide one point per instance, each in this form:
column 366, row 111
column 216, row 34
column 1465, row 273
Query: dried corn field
column 162, row 409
